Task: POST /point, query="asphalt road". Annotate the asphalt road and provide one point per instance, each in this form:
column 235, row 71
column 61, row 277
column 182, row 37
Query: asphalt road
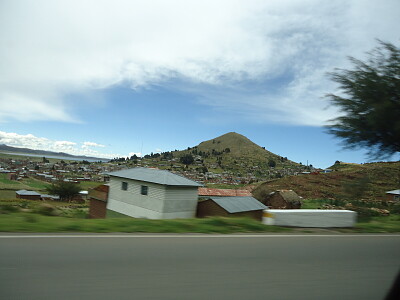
column 186, row 267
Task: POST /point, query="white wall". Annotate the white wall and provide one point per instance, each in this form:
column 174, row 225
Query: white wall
column 309, row 217
column 162, row 202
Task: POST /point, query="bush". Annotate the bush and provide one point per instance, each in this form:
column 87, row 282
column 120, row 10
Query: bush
column 46, row 209
column 8, row 208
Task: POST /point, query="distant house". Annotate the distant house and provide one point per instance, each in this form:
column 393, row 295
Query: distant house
column 393, row 195
column 231, row 206
column 205, row 192
column 152, row 193
column 283, row 199
column 98, row 202
column 28, row 195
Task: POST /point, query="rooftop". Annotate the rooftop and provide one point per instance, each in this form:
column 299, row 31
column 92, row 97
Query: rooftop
column 155, row 176
column 238, row 204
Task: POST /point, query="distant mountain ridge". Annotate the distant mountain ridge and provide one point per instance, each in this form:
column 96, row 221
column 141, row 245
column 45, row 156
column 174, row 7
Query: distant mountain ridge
column 5, row 148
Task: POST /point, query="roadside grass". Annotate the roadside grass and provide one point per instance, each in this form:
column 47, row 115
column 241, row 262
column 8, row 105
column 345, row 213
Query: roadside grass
column 389, row 224
column 31, row 222
column 13, row 220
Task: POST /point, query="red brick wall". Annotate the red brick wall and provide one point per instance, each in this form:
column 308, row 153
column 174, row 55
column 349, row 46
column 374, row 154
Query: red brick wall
column 97, row 209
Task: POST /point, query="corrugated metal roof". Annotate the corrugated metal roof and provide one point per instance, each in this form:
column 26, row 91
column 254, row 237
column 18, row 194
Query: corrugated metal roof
column 394, row 192
column 203, row 191
column 27, row 193
column 238, row 204
column 155, row 176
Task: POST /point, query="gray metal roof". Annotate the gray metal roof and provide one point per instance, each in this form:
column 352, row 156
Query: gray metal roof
column 154, row 176
column 27, row 193
column 394, row 192
column 238, row 204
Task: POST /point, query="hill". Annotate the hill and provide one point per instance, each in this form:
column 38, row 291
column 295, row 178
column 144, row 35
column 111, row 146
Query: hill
column 347, row 181
column 232, row 155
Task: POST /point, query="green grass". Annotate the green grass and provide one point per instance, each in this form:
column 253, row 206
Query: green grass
column 389, row 224
column 7, row 195
column 30, row 222
column 13, row 221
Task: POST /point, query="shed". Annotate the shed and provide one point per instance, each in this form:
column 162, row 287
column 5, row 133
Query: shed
column 283, row 199
column 231, row 206
column 393, row 195
column 152, row 193
column 28, row 195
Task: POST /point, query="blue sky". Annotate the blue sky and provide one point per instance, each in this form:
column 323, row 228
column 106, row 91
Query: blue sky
column 113, row 78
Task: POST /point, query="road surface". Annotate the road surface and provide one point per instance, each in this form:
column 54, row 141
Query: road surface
column 198, row 267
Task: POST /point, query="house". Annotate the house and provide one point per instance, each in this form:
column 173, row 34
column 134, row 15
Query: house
column 205, row 192
column 283, row 199
column 28, row 195
column 152, row 193
column 393, row 195
column 231, row 206
column 98, row 202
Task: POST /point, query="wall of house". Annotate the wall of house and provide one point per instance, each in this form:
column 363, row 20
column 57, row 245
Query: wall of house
column 180, row 202
column 210, row 208
column 132, row 203
column 161, row 202
column 97, row 209
column 28, row 197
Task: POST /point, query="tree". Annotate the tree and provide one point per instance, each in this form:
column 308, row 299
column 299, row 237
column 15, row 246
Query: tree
column 271, row 163
column 187, row 159
column 66, row 190
column 369, row 99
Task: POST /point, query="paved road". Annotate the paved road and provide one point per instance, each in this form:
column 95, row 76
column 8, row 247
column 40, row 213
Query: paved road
column 185, row 267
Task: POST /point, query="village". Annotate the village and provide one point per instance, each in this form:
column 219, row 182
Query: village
column 140, row 190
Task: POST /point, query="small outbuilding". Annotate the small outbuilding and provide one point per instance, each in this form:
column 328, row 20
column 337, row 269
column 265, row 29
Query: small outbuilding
column 28, row 195
column 283, row 199
column 231, row 206
column 393, row 195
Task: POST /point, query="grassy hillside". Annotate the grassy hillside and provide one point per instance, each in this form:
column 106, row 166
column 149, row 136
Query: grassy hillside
column 235, row 153
column 347, row 181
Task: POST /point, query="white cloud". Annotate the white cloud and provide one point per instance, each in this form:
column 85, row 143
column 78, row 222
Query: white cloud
column 40, row 143
column 54, row 48
column 91, row 144
column 138, row 154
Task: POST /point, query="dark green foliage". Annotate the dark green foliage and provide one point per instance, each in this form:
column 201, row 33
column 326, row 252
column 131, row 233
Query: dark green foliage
column 66, row 190
column 369, row 99
column 271, row 163
column 187, row 159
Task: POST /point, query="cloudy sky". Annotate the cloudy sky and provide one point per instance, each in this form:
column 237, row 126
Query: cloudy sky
column 112, row 78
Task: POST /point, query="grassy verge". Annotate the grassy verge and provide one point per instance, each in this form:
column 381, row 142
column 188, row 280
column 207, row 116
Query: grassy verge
column 33, row 222
column 388, row 224
column 30, row 222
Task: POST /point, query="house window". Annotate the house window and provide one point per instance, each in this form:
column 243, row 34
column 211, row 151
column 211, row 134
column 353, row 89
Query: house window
column 124, row 186
column 144, row 190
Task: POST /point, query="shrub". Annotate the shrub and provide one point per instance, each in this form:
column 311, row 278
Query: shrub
column 47, row 210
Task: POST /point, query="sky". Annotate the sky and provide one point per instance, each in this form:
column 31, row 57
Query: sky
column 117, row 78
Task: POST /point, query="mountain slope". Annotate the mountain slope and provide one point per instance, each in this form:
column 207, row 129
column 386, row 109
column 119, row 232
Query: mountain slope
column 351, row 182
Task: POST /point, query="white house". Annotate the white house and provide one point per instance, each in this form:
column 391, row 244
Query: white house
column 152, row 194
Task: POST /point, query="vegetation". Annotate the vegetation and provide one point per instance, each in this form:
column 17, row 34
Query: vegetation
column 371, row 104
column 371, row 180
column 12, row 221
column 66, row 190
